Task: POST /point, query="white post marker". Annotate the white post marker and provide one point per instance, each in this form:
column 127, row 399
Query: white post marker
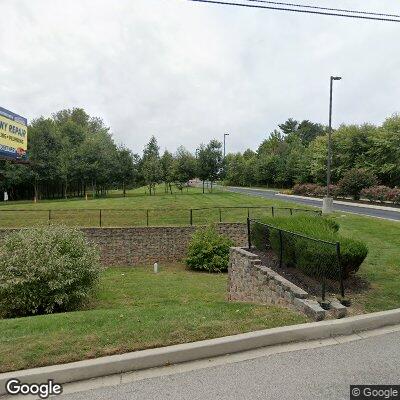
column 5, row 196
column 155, row 268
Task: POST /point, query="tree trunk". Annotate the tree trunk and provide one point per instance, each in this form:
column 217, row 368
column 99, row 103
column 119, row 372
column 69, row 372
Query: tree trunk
column 203, row 187
column 36, row 190
column 124, row 189
column 65, row 189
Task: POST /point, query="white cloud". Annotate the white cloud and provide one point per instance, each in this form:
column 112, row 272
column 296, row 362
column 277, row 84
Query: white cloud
column 189, row 72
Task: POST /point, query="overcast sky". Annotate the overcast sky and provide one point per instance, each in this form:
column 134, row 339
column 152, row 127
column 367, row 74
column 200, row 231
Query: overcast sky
column 189, row 72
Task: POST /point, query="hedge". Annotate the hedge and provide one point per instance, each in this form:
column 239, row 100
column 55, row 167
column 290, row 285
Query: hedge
column 377, row 193
column 382, row 194
column 311, row 257
column 312, row 189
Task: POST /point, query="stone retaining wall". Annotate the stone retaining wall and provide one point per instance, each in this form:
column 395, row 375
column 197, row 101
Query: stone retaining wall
column 145, row 245
column 250, row 281
column 136, row 246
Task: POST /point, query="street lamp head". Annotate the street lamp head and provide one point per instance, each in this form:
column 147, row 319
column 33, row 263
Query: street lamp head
column 336, row 78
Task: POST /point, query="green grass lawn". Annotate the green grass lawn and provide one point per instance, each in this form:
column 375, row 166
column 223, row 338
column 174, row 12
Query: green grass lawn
column 135, row 309
column 163, row 209
column 382, row 265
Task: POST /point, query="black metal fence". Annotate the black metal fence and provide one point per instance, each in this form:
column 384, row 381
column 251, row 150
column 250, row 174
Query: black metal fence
column 313, row 257
column 108, row 217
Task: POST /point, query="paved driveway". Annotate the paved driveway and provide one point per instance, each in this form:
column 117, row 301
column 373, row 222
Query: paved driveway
column 316, row 373
column 271, row 194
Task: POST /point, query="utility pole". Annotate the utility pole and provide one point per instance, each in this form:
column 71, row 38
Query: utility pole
column 225, row 135
column 327, row 205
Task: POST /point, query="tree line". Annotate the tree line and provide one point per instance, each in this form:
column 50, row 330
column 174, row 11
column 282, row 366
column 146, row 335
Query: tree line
column 296, row 152
column 71, row 154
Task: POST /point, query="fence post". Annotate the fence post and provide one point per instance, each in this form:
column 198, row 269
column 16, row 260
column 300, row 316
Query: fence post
column 147, row 217
column 49, row 217
column 280, row 249
column 191, row 216
column 273, row 211
column 220, row 215
column 248, row 233
column 340, row 269
column 100, row 217
column 291, row 211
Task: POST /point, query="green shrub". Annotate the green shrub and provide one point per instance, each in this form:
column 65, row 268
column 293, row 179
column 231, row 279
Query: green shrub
column 209, row 251
column 355, row 180
column 45, row 270
column 353, row 253
column 314, row 258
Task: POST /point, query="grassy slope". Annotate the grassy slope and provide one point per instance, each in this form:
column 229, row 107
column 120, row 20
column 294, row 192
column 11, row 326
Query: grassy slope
column 382, row 266
column 138, row 199
column 135, row 309
column 140, row 310
column 170, row 209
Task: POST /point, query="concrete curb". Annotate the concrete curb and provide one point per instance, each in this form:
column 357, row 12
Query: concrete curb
column 145, row 359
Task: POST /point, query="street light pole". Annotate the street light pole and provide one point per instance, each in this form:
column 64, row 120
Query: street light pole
column 225, row 135
column 327, row 205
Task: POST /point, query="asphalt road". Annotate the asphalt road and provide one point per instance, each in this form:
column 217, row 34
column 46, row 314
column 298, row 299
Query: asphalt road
column 270, row 194
column 316, row 373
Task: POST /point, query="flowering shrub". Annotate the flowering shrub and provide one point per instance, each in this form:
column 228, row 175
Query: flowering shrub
column 394, row 195
column 335, row 190
column 372, row 193
column 306, row 189
column 312, row 189
column 45, row 270
column 376, row 193
column 320, row 191
column 382, row 194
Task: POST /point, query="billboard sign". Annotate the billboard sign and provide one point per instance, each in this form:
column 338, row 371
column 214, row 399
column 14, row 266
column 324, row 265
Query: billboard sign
column 13, row 135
